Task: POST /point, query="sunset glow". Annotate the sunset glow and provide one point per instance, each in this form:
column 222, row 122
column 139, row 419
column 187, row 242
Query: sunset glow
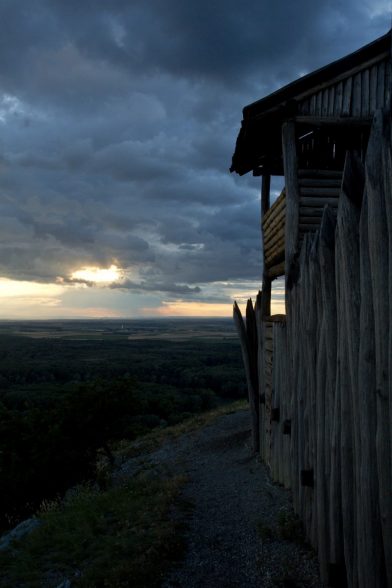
column 194, row 309
column 97, row 275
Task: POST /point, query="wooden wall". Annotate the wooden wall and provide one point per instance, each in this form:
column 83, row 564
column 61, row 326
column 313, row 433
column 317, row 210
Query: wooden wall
column 326, row 425
column 320, row 379
column 273, row 229
column 358, row 95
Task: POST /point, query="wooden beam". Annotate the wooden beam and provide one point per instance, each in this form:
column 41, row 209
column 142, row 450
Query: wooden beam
column 265, row 194
column 265, row 206
column 319, row 173
column 289, row 149
column 347, row 121
column 332, row 192
column 276, row 271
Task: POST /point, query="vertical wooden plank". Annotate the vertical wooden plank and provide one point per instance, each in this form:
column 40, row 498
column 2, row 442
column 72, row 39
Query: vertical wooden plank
column 312, row 322
column 325, row 99
column 347, row 96
column 373, row 89
column 312, row 109
column 371, row 565
column 337, row 572
column 381, row 85
column 338, row 100
column 286, row 407
column 319, row 102
column 265, row 194
column 365, row 91
column 357, row 95
column 377, row 186
column 348, row 305
column 304, row 505
column 291, row 318
column 275, row 406
column 326, row 381
column 388, row 76
column 265, row 205
column 304, row 107
column 289, row 148
column 248, row 340
column 260, row 370
column 268, row 391
column 331, row 101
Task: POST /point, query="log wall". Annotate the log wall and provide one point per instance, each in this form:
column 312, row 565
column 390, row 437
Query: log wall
column 325, row 376
column 332, row 375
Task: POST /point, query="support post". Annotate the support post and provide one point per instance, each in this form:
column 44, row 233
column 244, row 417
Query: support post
column 265, row 205
column 289, row 148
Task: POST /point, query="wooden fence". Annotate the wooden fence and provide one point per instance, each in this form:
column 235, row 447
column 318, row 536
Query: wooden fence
column 325, row 376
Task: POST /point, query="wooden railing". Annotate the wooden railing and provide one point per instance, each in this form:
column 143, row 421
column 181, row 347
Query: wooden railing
column 274, row 237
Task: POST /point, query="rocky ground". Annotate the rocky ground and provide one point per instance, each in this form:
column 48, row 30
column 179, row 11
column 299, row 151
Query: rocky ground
column 241, row 531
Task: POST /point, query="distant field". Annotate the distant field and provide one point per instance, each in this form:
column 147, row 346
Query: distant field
column 165, row 329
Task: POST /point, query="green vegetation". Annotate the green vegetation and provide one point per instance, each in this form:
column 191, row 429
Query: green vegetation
column 69, row 394
column 108, row 535
column 119, row 537
column 288, row 527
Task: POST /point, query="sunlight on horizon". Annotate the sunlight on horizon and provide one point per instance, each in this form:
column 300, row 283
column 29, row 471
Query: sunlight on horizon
column 98, row 275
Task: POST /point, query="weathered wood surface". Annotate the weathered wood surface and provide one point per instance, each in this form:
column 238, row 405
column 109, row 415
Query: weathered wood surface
column 371, row 567
column 350, row 95
column 289, row 148
column 274, row 210
column 348, row 315
column 325, row 375
column 276, row 271
column 248, row 339
column 378, row 187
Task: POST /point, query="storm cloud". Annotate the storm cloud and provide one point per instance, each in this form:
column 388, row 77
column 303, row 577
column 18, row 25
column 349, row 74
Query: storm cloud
column 118, row 121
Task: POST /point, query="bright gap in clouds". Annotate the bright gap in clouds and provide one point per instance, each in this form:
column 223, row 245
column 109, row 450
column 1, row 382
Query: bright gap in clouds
column 98, row 275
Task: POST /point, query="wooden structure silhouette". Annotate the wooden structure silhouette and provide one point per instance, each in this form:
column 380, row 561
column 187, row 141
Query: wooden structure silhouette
column 320, row 378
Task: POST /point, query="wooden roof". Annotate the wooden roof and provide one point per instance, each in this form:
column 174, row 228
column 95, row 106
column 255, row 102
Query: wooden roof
column 260, row 134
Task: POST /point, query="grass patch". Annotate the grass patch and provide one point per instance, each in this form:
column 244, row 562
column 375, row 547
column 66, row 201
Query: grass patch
column 120, row 537
column 154, row 439
column 290, row 527
column 264, row 531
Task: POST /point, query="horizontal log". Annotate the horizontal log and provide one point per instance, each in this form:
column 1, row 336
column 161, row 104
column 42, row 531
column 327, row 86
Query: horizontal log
column 319, row 173
column 274, row 318
column 309, row 220
column 276, row 271
column 307, row 228
column 277, row 223
column 278, row 240
column 274, row 239
column 315, row 210
column 320, row 182
column 310, row 191
column 277, row 255
column 275, row 259
column 271, row 232
column 310, row 201
column 278, row 243
column 348, row 121
column 274, row 211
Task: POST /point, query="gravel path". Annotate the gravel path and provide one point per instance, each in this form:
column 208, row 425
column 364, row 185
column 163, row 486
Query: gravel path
column 234, row 535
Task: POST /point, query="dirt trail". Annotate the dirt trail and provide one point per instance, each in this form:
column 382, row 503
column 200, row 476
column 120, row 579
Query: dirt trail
column 235, row 527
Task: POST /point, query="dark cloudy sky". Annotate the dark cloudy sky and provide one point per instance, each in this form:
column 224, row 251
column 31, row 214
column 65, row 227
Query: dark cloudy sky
column 118, row 120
